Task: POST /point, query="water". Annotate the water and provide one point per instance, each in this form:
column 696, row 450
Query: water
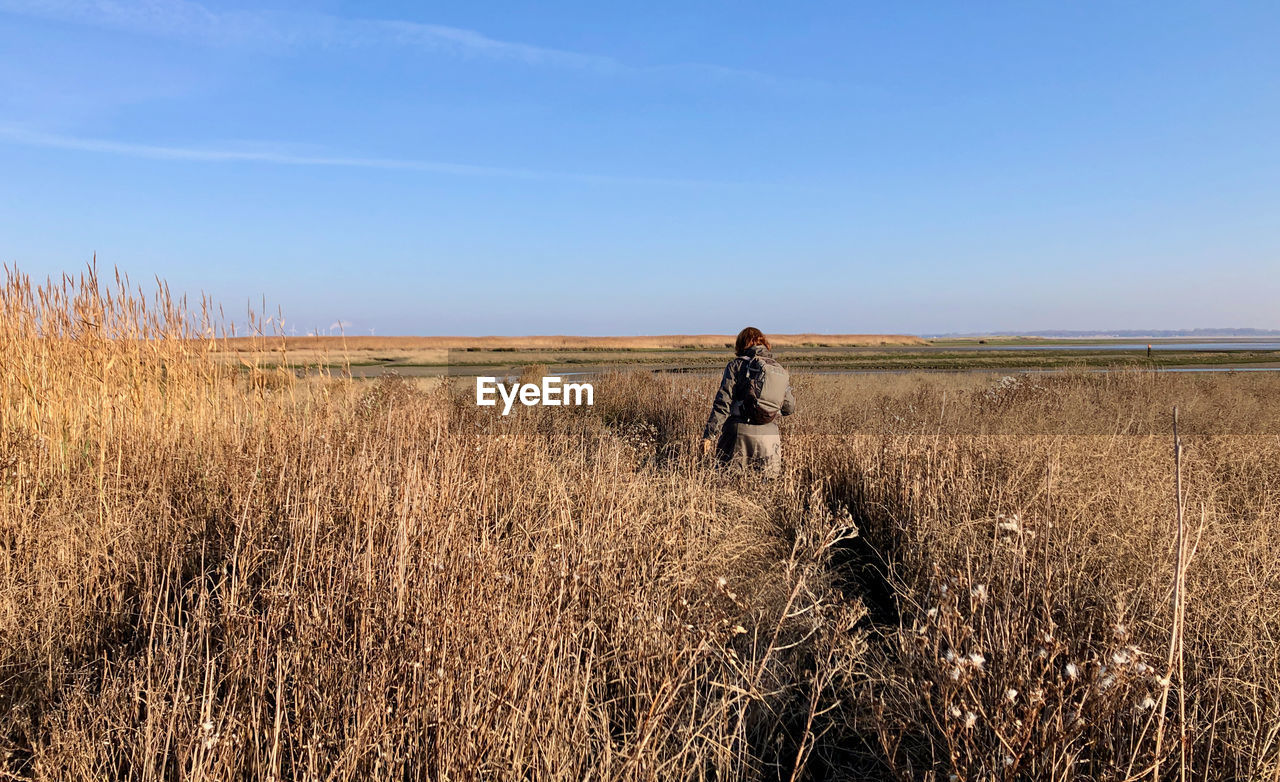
column 1191, row 346
column 1025, row 371
column 373, row 372
column 1219, row 346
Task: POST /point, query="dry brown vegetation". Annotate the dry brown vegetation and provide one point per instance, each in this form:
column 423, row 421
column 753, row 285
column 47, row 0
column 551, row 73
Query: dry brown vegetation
column 228, row 574
column 557, row 342
column 374, row 356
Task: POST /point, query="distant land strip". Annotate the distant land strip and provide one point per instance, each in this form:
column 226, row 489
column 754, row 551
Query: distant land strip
column 1114, row 333
column 559, row 342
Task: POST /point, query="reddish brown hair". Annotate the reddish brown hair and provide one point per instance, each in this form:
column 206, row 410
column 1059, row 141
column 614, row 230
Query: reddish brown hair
column 748, row 337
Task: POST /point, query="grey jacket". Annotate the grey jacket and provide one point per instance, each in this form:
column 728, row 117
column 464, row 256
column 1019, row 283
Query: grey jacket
column 727, row 405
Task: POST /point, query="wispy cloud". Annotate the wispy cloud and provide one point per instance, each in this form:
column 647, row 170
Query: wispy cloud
column 17, row 135
column 275, row 31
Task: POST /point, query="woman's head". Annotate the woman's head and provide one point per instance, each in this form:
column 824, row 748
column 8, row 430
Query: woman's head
column 749, row 337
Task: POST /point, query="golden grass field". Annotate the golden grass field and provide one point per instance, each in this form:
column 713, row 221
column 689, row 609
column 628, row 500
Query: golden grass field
column 558, row 342
column 211, row 573
column 426, row 357
column 373, row 356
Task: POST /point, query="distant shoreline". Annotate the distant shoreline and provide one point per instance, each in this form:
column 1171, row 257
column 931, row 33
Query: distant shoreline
column 368, row 357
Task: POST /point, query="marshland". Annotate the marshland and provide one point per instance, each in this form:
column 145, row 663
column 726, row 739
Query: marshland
column 214, row 570
column 369, row 357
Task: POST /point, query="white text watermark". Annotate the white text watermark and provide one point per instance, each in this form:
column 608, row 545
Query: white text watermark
column 551, row 392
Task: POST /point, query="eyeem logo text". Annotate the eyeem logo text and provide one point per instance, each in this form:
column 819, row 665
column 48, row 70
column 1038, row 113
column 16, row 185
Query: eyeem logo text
column 552, row 392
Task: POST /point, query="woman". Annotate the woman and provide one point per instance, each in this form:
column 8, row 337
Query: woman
column 745, row 411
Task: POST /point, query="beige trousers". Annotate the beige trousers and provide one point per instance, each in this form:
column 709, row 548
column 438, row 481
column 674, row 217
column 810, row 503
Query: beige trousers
column 750, row 447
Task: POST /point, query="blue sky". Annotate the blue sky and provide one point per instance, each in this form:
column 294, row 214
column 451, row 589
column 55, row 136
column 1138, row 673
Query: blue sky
column 661, row 167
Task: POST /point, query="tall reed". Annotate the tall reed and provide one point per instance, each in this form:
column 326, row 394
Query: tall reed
column 250, row 572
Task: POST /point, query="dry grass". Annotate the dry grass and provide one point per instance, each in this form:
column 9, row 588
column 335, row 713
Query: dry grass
column 236, row 574
column 557, row 342
column 374, row 355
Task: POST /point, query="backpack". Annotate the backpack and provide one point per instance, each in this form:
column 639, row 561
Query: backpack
column 766, row 387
